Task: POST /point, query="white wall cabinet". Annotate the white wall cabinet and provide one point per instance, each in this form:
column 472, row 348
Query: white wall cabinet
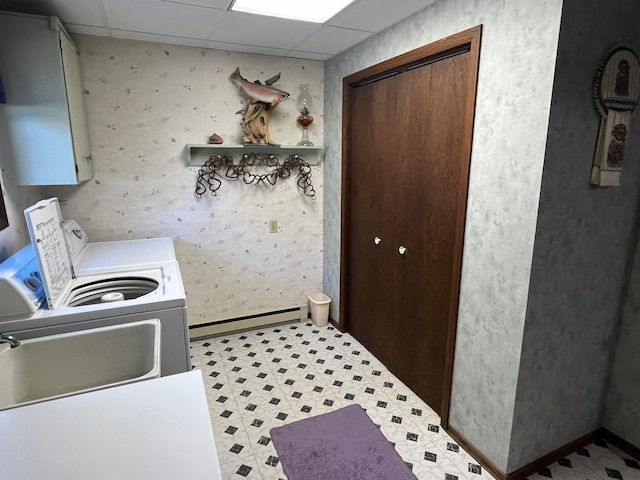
column 44, row 133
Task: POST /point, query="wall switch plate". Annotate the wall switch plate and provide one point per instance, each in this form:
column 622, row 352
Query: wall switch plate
column 273, row 226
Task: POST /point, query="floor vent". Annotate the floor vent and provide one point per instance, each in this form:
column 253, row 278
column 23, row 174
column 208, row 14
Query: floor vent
column 248, row 322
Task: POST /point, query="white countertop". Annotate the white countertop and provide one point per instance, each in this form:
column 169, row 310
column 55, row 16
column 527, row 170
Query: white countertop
column 157, row 429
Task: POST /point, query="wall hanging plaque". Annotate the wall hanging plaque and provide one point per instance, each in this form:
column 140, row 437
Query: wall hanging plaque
column 616, row 91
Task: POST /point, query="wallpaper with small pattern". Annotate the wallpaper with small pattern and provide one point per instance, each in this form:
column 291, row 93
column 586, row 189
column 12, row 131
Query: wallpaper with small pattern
column 622, row 413
column 145, row 103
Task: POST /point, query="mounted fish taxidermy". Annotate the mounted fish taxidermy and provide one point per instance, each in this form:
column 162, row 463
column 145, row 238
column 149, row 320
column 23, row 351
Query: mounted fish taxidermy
column 256, row 115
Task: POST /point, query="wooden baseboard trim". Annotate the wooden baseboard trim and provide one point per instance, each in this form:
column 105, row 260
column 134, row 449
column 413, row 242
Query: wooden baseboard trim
column 553, row 457
column 487, row 464
column 621, row 443
column 533, row 467
column 336, row 324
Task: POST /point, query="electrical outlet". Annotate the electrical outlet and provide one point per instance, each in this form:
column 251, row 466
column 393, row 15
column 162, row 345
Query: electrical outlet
column 273, row 226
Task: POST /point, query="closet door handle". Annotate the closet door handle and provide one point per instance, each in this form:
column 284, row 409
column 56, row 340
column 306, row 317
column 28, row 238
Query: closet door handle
column 377, row 240
column 402, row 250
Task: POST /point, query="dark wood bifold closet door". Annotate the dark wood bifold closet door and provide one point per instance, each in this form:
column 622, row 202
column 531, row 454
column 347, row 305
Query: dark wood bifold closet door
column 406, row 175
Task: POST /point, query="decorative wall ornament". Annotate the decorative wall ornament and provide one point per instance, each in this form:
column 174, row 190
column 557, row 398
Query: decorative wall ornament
column 219, row 167
column 256, row 115
column 305, row 119
column 616, row 92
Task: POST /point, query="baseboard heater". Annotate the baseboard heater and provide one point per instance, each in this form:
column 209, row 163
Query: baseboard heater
column 247, row 322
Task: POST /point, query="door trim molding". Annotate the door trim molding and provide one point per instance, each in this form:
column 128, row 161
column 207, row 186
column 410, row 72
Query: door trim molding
column 465, row 41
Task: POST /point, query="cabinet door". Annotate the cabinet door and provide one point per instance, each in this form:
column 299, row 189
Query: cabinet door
column 36, row 144
column 77, row 110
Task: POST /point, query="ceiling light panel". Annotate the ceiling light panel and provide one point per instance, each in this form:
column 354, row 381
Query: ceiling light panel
column 314, row 11
column 271, row 32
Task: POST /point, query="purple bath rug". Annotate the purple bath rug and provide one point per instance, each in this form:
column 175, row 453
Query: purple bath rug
column 340, row 445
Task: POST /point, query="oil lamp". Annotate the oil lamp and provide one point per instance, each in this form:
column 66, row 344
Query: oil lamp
column 304, row 119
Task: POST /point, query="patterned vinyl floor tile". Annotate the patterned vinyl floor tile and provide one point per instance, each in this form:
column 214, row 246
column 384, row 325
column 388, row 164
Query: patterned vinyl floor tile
column 269, row 377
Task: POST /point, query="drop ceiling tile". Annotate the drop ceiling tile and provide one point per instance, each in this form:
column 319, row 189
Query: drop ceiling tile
column 332, row 40
column 244, row 28
column 307, row 55
column 208, row 23
column 86, row 12
column 163, row 18
column 151, row 37
column 376, row 15
column 74, row 29
column 235, row 47
column 219, row 4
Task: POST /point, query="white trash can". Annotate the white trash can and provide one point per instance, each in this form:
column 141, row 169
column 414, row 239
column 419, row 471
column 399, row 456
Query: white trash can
column 319, row 304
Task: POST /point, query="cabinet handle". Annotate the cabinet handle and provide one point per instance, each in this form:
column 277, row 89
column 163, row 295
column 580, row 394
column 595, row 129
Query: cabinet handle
column 377, row 240
column 402, row 250
column 88, row 158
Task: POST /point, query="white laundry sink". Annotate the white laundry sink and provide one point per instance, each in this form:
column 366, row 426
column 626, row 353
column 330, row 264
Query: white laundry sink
column 55, row 366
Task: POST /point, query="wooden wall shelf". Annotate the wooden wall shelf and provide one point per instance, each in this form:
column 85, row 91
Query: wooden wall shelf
column 198, row 154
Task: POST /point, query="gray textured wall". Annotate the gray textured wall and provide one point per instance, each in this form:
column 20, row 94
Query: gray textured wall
column 622, row 411
column 514, row 95
column 585, row 239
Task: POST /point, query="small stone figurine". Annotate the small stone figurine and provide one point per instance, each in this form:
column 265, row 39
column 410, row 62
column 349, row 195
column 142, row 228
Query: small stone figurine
column 215, row 139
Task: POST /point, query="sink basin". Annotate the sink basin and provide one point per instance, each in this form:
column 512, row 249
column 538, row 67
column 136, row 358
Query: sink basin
column 55, row 366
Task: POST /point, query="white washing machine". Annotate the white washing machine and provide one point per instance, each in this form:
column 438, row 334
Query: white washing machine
column 61, row 283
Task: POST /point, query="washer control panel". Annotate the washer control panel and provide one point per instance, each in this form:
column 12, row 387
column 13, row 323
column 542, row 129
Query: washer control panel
column 21, row 289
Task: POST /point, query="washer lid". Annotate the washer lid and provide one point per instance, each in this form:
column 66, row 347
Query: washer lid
column 44, row 222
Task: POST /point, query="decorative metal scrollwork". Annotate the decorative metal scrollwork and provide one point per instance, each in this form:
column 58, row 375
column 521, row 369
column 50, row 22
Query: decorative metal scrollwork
column 218, row 167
